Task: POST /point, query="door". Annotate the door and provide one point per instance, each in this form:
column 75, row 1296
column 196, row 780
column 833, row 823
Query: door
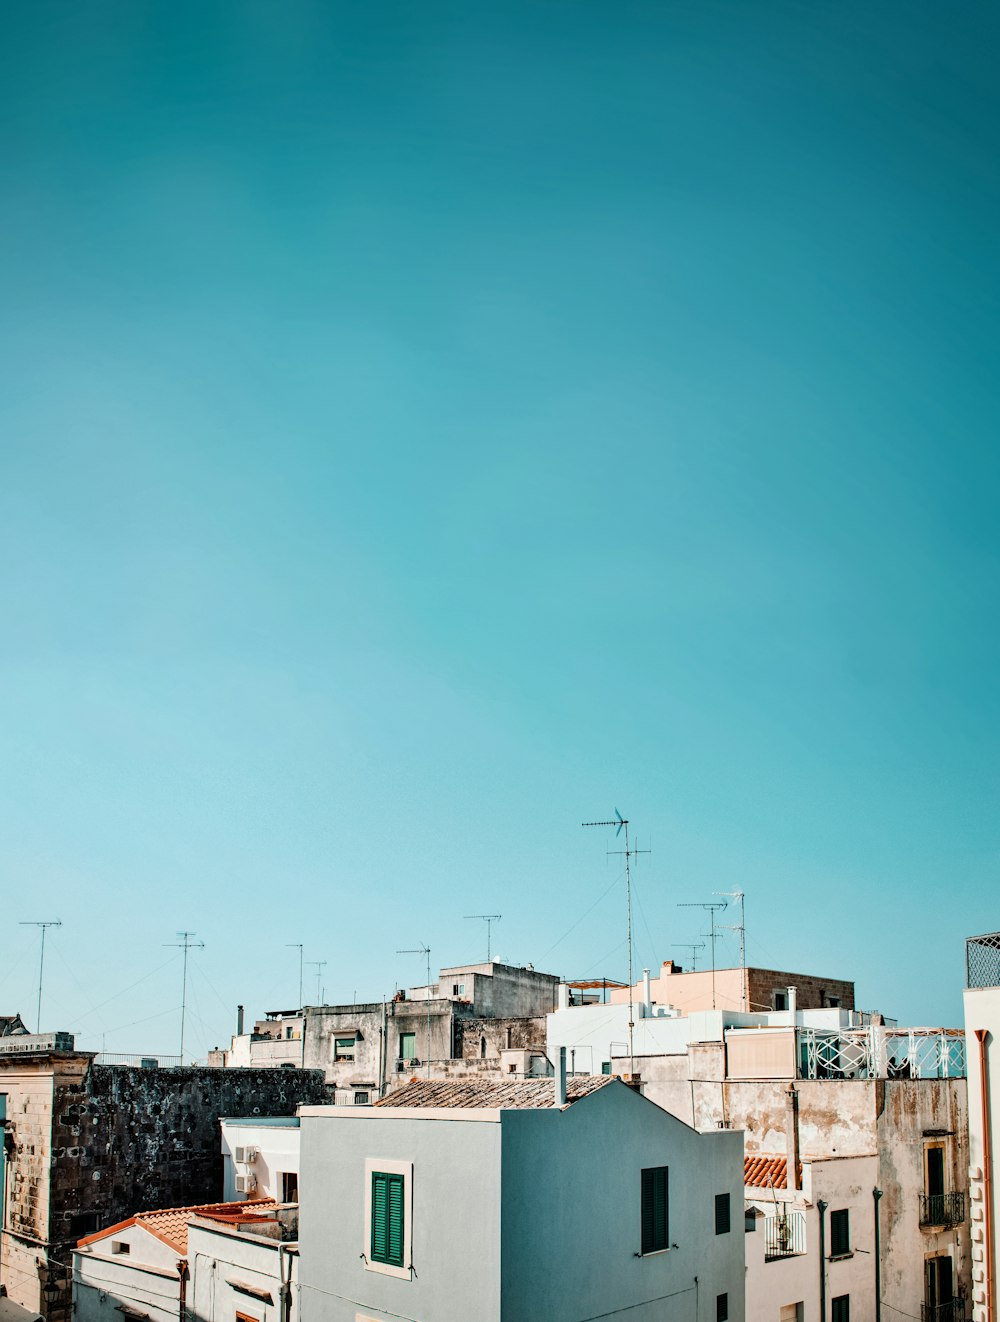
column 939, row 1282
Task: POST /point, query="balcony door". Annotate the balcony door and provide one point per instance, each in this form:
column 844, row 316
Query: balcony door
column 938, row 1283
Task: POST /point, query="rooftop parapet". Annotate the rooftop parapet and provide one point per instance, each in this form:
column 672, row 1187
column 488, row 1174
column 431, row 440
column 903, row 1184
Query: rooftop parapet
column 982, row 961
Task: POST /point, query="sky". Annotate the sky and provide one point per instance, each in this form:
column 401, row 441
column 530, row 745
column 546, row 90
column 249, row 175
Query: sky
column 426, row 428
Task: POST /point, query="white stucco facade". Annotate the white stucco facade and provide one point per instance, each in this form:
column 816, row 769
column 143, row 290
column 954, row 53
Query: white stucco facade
column 269, row 1164
column 982, row 1012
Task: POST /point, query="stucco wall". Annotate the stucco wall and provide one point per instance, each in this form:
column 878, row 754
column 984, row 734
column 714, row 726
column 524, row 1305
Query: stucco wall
column 217, row 1257
column 982, row 1010
column 278, row 1152
column 455, row 1217
column 571, row 1228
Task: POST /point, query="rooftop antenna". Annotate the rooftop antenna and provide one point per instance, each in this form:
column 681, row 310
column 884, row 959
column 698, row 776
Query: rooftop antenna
column 741, row 928
column 694, row 947
column 297, row 945
column 319, row 965
column 619, row 823
column 48, row 922
column 185, row 943
column 424, row 950
column 489, row 919
column 713, row 907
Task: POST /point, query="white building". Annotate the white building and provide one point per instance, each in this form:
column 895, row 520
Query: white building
column 260, row 1158
column 982, row 1027
column 493, row 1201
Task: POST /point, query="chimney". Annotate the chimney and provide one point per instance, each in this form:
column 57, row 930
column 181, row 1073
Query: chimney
column 647, row 995
column 792, row 1001
column 239, row 1021
column 792, row 1136
column 560, row 1097
column 563, row 996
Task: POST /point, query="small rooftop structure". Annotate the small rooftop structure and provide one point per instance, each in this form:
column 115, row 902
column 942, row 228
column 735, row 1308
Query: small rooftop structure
column 982, row 961
column 499, row 1094
column 170, row 1224
column 12, row 1025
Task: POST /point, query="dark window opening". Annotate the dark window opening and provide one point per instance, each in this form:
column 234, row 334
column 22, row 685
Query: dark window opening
column 722, row 1214
column 840, row 1235
column 655, row 1210
column 840, row 1310
column 722, row 1308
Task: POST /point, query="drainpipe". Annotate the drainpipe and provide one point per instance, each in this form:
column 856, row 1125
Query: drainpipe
column 285, row 1282
column 984, row 1101
column 647, row 995
column 560, row 1090
column 876, row 1195
column 792, row 1138
column 793, row 994
column 182, row 1272
column 822, row 1259
column 382, row 1034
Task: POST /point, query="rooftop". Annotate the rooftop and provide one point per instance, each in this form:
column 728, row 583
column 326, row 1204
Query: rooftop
column 515, row 1094
column 171, row 1223
column 766, row 1172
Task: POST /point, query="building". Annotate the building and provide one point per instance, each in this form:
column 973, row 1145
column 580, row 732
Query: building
column 89, row 1145
column 746, row 989
column 508, row 1200
column 212, row 1262
column 982, row 1026
column 260, row 1158
column 12, row 1025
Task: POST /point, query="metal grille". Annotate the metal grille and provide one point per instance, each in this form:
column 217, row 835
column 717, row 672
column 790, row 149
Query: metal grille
column 881, row 1053
column 784, row 1235
column 942, row 1209
column 954, row 1311
column 982, row 960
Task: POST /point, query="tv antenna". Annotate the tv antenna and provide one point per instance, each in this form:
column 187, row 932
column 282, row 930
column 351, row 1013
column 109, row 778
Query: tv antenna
column 713, row 907
column 48, row 922
column 319, row 965
column 741, row 928
column 619, row 824
column 185, row 943
column 297, row 945
column 694, row 947
column 489, row 919
column 424, row 950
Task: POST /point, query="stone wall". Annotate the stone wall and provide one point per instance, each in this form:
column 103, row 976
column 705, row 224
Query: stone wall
column 521, row 1033
column 812, row 993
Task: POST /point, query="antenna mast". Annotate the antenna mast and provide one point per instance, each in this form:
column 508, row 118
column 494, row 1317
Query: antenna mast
column 49, row 922
column 185, row 944
column 713, row 907
column 694, row 947
column 742, row 929
column 619, row 823
column 297, row 945
column 319, row 965
column 489, row 919
column 426, row 951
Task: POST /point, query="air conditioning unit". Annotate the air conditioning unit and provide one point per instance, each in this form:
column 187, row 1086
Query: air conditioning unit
column 244, row 1156
column 246, row 1183
column 251, row 1155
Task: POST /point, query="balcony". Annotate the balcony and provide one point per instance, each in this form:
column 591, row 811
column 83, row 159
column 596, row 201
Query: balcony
column 784, row 1235
column 942, row 1209
column 954, row 1311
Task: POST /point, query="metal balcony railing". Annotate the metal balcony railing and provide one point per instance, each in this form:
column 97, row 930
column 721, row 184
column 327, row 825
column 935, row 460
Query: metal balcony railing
column 784, row 1235
column 953, row 1311
column 881, row 1053
column 942, row 1209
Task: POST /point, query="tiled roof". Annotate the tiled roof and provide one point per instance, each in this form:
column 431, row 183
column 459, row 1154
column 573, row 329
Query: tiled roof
column 171, row 1223
column 512, row 1094
column 766, row 1172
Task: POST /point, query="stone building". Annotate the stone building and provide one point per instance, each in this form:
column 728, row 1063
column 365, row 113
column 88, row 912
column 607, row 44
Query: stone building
column 89, row 1145
column 751, row 990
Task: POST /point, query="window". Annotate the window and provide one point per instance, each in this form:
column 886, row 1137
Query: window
column 841, row 1308
column 605, row 1066
column 343, row 1049
column 840, row 1234
column 289, row 1187
column 387, row 1218
column 120, row 1246
column 482, row 1048
column 834, row 1003
column 655, row 1210
column 780, row 1000
column 84, row 1223
column 245, row 1317
column 510, row 1038
column 407, row 1046
column 722, row 1308
column 722, row 1214
column 360, row 1099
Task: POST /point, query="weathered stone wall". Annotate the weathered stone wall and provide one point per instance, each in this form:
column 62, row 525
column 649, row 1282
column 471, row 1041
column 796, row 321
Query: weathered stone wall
column 812, row 993
column 520, row 1033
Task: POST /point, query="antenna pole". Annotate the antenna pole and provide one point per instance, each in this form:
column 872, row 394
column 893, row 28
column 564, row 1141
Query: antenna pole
column 426, row 951
column 50, row 922
column 694, row 947
column 297, row 945
column 619, row 823
column 319, row 965
column 740, row 927
column 185, row 943
column 489, row 919
column 713, row 906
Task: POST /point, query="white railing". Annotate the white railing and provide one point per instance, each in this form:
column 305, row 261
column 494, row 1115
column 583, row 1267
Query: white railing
column 878, row 1052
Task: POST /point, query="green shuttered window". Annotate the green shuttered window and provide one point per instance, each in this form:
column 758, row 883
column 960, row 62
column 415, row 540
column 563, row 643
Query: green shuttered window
column 655, row 1210
column 387, row 1218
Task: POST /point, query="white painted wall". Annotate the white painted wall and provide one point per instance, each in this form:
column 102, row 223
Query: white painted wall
column 982, row 1010
column 277, row 1144
column 219, row 1256
column 146, row 1278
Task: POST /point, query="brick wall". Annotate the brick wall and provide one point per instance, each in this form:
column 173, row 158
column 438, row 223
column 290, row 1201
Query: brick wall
column 812, row 992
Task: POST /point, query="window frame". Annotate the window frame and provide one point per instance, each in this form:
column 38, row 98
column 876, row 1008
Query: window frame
column 389, row 1166
column 347, row 1043
column 842, row 1314
column 413, row 1036
column 654, row 1245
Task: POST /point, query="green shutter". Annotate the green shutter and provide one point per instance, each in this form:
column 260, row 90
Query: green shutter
column 387, row 1218
column 655, row 1218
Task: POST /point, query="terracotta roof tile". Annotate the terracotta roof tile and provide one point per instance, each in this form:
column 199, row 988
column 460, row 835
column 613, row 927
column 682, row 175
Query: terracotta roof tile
column 767, row 1172
column 171, row 1223
column 511, row 1094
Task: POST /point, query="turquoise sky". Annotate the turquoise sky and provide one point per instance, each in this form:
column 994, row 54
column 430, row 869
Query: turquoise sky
column 427, row 427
